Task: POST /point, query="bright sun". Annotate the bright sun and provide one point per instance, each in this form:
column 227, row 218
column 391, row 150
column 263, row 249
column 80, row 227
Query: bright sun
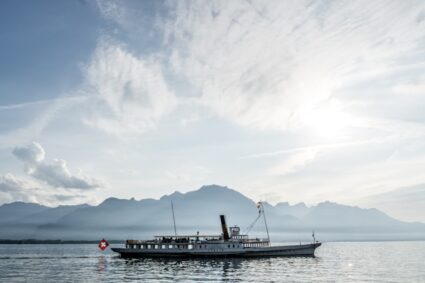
column 326, row 120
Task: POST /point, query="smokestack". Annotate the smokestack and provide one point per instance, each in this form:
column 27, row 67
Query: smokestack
column 224, row 228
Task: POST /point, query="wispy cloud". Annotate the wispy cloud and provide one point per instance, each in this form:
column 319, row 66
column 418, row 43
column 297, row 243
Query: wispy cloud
column 294, row 163
column 113, row 10
column 46, row 102
column 320, row 147
column 280, row 65
column 267, row 64
column 132, row 92
column 33, row 129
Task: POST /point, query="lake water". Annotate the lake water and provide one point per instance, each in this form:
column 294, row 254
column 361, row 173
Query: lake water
column 334, row 262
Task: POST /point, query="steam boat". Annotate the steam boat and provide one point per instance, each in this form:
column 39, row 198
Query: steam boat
column 233, row 244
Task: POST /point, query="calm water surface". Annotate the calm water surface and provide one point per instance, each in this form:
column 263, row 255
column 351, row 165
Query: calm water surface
column 334, row 262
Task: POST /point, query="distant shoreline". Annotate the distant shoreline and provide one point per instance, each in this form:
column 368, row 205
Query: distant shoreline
column 55, row 242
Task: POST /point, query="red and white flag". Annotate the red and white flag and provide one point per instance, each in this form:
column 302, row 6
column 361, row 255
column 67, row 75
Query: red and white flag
column 103, row 245
column 259, row 207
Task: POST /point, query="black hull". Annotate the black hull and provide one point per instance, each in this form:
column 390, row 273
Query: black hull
column 277, row 251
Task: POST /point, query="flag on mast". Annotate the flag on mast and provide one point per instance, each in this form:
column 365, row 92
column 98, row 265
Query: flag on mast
column 259, row 207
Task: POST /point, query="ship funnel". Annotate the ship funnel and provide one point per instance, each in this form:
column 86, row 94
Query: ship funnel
column 224, row 228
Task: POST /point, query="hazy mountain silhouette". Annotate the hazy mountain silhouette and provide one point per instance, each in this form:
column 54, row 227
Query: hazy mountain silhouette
column 298, row 210
column 195, row 211
column 20, row 219
column 13, row 211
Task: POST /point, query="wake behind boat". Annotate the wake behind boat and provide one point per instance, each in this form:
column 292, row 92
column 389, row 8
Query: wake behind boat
column 227, row 244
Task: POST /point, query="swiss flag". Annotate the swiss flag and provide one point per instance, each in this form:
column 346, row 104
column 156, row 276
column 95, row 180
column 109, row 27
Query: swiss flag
column 103, row 245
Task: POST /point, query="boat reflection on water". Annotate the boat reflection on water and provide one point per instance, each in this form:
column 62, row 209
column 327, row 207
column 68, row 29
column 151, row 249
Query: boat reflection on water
column 211, row 269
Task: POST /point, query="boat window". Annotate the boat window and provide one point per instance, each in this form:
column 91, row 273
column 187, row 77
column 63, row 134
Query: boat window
column 190, row 247
column 228, row 246
column 233, row 246
column 170, row 246
column 163, row 246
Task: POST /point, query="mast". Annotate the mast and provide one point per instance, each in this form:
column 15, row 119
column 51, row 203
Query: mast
column 174, row 218
column 265, row 221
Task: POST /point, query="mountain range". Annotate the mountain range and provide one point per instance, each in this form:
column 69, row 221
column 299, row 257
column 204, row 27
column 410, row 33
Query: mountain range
column 198, row 211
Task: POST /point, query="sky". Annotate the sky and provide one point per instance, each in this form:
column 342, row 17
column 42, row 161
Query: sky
column 284, row 101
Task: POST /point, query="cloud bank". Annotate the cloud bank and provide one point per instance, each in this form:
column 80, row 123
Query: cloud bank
column 54, row 173
column 325, row 97
column 15, row 188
